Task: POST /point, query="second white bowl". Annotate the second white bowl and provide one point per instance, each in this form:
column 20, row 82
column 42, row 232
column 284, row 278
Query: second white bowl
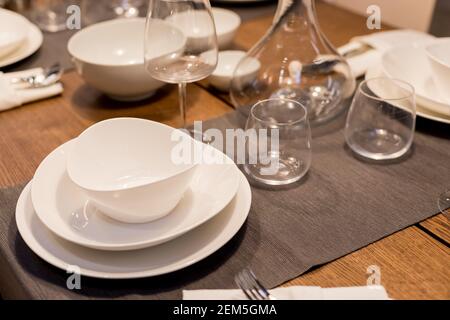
column 127, row 166
column 227, row 63
column 110, row 57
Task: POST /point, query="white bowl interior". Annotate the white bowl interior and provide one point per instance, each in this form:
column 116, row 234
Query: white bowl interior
column 229, row 60
column 123, row 153
column 121, row 42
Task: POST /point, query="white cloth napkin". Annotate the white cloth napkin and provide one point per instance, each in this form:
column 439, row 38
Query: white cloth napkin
column 14, row 95
column 296, row 293
column 378, row 43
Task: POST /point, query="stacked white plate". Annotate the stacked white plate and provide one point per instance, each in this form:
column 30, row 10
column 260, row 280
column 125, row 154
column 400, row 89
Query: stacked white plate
column 19, row 38
column 411, row 64
column 59, row 222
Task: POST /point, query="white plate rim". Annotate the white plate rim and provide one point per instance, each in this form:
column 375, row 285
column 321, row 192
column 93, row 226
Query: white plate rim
column 376, row 71
column 32, row 42
column 136, row 244
column 236, row 221
column 427, row 101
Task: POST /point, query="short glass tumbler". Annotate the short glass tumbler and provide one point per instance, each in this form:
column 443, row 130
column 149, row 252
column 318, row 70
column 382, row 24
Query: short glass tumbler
column 278, row 145
column 381, row 120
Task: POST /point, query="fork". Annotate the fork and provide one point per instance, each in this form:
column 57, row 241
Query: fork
column 251, row 286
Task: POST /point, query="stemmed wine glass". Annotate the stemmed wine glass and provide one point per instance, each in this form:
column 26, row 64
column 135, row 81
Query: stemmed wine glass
column 180, row 44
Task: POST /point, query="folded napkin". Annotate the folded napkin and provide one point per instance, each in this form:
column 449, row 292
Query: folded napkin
column 14, row 95
column 296, row 293
column 371, row 47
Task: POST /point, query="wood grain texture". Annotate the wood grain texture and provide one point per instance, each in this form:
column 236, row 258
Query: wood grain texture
column 439, row 226
column 412, row 266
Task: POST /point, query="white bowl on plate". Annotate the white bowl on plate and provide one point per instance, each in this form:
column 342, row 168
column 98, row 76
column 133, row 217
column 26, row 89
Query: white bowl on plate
column 110, row 57
column 126, row 166
column 13, row 31
column 227, row 63
column 227, row 23
column 438, row 54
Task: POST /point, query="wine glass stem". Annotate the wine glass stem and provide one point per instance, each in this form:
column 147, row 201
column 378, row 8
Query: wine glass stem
column 182, row 102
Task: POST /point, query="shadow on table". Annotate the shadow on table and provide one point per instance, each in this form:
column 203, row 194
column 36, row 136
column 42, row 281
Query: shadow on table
column 160, row 287
column 93, row 105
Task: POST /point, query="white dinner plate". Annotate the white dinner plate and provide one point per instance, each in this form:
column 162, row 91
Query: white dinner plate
column 376, row 71
column 13, row 31
column 168, row 257
column 410, row 63
column 30, row 45
column 65, row 209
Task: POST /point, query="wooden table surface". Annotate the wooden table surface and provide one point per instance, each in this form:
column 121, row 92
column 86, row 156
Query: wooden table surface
column 414, row 262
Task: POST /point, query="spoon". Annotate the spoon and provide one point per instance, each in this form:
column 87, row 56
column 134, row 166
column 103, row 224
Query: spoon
column 48, row 77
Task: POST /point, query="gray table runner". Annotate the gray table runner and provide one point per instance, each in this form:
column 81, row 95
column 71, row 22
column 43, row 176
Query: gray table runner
column 342, row 205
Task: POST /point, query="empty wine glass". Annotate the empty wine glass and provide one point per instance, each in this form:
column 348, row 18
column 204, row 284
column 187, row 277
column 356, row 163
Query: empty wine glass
column 381, row 120
column 50, row 15
column 180, row 44
column 278, row 142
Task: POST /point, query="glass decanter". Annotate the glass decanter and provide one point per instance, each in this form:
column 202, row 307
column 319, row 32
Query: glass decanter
column 295, row 62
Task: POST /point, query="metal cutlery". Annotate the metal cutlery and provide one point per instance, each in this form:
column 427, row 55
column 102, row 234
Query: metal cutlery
column 48, row 77
column 251, row 286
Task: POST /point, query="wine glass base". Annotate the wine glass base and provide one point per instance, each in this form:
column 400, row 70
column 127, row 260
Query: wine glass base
column 288, row 171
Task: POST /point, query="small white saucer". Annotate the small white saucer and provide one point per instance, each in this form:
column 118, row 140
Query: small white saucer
column 65, row 209
column 31, row 44
column 171, row 256
column 376, row 71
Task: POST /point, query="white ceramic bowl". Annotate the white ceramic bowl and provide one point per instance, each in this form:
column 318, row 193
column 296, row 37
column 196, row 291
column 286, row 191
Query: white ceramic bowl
column 126, row 166
column 110, row 57
column 227, row 63
column 438, row 54
column 13, row 31
column 227, row 23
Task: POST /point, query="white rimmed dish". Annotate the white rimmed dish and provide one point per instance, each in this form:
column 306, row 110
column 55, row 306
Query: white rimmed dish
column 171, row 256
column 438, row 53
column 13, row 31
column 227, row 62
column 410, row 63
column 33, row 41
column 127, row 167
column 66, row 210
column 110, row 57
column 376, row 71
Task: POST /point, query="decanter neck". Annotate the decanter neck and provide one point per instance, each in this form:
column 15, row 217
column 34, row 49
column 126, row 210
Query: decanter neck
column 287, row 6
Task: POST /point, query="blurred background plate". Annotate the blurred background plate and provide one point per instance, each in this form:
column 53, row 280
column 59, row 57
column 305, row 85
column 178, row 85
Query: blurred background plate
column 13, row 31
column 30, row 45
